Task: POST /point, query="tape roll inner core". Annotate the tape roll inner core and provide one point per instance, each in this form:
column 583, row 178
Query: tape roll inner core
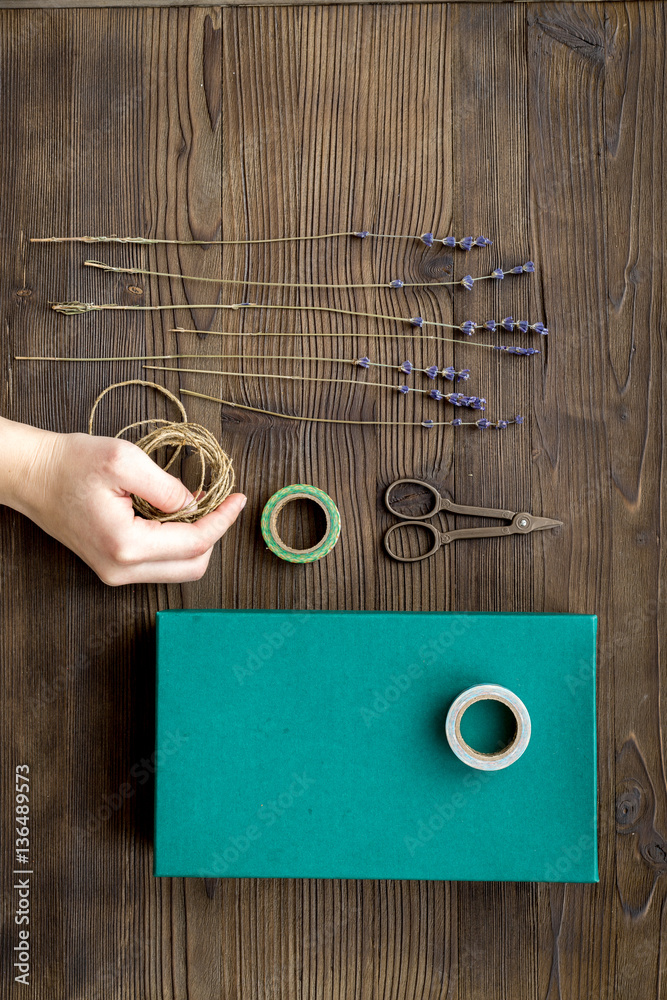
column 273, row 522
column 501, row 751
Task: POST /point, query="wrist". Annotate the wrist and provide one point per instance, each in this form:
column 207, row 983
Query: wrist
column 21, row 475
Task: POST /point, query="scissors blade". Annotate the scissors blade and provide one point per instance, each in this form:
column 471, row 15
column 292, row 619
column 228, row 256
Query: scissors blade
column 541, row 523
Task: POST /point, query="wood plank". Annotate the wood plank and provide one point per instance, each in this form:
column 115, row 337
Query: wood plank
column 566, row 130
column 495, row 468
column 63, row 4
column 633, row 396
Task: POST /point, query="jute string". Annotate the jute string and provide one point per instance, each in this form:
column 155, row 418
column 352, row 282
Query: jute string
column 213, row 460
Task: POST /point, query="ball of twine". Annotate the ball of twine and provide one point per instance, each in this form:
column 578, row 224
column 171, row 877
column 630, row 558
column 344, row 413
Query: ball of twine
column 212, row 458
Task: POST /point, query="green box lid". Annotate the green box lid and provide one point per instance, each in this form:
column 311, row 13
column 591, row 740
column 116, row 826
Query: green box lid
column 312, row 744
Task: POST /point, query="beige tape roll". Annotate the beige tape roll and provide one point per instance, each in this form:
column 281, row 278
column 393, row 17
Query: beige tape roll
column 488, row 761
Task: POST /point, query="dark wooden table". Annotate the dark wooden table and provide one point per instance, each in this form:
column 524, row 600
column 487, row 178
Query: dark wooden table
column 540, row 125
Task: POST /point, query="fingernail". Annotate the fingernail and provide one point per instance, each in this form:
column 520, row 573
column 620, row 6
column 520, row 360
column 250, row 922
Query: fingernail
column 245, row 500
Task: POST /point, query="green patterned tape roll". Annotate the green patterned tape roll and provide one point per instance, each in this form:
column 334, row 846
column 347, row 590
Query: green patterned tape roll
column 300, row 491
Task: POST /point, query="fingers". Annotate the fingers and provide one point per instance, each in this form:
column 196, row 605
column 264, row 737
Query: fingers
column 176, row 571
column 133, row 471
column 153, row 552
column 154, row 541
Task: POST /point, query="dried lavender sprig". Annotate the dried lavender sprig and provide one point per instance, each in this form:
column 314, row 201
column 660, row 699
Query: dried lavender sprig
column 508, row 323
column 427, row 238
column 77, row 308
column 456, row 398
column 407, row 368
column 497, row 274
column 450, row 373
column 375, row 336
column 395, row 283
column 428, row 424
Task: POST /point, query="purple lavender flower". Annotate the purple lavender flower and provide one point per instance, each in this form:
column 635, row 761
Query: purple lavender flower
column 501, row 424
column 363, row 362
column 518, row 419
column 449, row 241
column 456, row 422
column 511, row 349
column 396, row 283
column 417, row 321
column 483, row 423
column 476, row 402
column 522, row 324
column 490, row 325
column 463, row 375
column 483, row 241
column 467, row 282
column 456, row 398
column 432, row 371
column 435, row 394
column 427, row 423
column 468, row 327
column 466, row 243
column 407, row 367
column 539, row 328
column 516, row 270
column 362, row 235
column 498, row 273
column 528, row 267
column 404, row 389
column 508, row 324
column 427, row 238
column 448, row 373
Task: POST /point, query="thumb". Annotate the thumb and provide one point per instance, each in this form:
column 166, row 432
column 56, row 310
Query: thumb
column 139, row 474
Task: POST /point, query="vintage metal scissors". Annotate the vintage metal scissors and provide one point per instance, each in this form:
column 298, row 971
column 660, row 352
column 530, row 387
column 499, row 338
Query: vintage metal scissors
column 521, row 524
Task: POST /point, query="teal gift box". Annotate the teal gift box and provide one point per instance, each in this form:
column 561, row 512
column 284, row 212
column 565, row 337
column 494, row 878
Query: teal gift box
column 312, row 745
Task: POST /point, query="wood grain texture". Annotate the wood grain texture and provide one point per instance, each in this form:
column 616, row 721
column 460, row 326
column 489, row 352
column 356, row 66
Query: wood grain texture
column 538, row 124
column 65, row 4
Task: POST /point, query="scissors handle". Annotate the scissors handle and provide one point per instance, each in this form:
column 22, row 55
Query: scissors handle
column 438, row 539
column 437, row 500
column 461, row 508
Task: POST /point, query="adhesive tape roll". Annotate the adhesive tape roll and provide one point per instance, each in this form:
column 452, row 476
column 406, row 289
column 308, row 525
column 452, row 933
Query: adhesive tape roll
column 269, row 522
column 488, row 761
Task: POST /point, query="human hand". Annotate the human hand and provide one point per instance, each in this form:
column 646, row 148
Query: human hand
column 78, row 489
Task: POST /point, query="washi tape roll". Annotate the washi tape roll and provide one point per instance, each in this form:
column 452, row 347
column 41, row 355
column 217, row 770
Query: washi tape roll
column 269, row 523
column 488, row 761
